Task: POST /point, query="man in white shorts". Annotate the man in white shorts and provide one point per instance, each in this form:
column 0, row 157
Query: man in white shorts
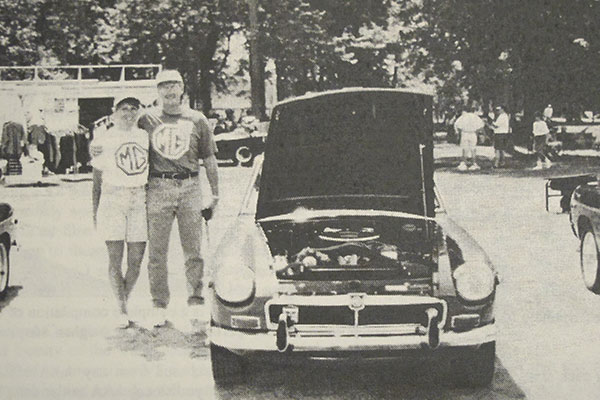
column 468, row 125
column 119, row 197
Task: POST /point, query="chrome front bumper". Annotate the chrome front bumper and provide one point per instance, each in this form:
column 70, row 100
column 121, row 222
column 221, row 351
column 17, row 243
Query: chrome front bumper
column 239, row 341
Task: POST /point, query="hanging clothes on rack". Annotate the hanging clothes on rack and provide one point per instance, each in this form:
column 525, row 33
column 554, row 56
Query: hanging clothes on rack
column 12, row 144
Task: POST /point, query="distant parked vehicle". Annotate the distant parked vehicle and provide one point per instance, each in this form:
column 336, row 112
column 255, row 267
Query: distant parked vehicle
column 7, row 240
column 240, row 146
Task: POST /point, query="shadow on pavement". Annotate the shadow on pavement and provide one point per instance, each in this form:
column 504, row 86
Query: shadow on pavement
column 152, row 344
column 11, row 293
column 371, row 381
column 27, row 185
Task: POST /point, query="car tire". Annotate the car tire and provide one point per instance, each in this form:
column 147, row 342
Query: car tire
column 4, row 267
column 590, row 261
column 244, row 156
column 475, row 367
column 227, row 368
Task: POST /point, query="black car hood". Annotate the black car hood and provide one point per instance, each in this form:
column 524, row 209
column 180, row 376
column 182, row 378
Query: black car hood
column 350, row 149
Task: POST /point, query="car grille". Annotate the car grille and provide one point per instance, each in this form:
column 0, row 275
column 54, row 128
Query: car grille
column 372, row 314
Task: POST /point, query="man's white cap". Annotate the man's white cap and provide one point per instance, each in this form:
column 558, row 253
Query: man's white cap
column 168, row 75
column 127, row 98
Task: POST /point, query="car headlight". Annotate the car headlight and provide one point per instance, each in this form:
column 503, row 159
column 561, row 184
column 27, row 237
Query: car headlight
column 474, row 281
column 234, row 284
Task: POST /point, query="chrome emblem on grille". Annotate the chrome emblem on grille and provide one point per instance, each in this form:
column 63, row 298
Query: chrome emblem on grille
column 357, row 301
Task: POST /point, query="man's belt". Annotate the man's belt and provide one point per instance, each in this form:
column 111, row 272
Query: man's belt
column 174, row 175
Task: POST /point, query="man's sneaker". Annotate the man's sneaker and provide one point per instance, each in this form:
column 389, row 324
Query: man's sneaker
column 548, row 164
column 538, row 166
column 158, row 317
column 199, row 317
column 462, row 166
column 474, row 167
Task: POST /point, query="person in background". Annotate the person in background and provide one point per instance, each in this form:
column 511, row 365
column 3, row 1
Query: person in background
column 179, row 138
column 540, row 139
column 548, row 111
column 120, row 174
column 501, row 128
column 468, row 125
column 230, row 122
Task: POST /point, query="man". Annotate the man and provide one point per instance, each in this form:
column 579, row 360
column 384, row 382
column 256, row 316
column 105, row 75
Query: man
column 501, row 130
column 179, row 138
column 548, row 111
column 468, row 125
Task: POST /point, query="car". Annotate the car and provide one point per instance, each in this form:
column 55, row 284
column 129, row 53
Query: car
column 7, row 240
column 240, row 146
column 342, row 248
column 584, row 215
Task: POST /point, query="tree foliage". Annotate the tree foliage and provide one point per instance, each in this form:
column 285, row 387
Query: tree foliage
column 182, row 34
column 316, row 45
column 523, row 53
column 18, row 37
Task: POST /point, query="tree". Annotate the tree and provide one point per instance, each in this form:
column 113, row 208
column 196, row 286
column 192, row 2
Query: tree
column 317, row 45
column 181, row 34
column 18, row 36
column 78, row 31
column 524, row 54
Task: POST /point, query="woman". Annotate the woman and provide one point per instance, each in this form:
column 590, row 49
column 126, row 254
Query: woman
column 119, row 197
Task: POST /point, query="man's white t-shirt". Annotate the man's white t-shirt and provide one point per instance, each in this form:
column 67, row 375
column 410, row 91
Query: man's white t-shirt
column 502, row 124
column 468, row 123
column 124, row 158
column 540, row 128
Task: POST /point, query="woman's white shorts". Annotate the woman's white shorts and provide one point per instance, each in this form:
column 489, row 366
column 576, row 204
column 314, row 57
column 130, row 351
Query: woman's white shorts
column 122, row 214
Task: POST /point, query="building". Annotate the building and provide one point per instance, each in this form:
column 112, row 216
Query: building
column 76, row 95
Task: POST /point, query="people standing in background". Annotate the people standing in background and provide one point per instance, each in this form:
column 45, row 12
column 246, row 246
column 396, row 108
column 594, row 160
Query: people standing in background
column 540, row 139
column 468, row 126
column 501, row 128
column 120, row 174
column 179, row 138
column 548, row 111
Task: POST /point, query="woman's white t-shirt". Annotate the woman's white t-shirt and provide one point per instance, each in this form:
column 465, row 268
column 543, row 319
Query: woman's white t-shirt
column 124, row 158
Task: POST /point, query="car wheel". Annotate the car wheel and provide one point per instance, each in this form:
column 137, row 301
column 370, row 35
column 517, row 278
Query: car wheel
column 590, row 267
column 475, row 367
column 227, row 368
column 244, row 155
column 4, row 268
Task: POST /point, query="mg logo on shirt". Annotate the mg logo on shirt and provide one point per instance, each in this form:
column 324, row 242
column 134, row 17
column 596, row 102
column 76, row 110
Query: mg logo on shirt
column 172, row 140
column 131, row 158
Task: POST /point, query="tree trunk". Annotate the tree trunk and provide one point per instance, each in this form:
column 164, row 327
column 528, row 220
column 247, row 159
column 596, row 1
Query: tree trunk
column 206, row 63
column 257, row 65
column 282, row 90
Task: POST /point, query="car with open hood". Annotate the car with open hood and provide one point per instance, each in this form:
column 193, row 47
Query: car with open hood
column 342, row 249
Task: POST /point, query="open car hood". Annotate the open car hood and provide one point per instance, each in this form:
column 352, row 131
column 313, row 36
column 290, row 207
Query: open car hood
column 349, row 149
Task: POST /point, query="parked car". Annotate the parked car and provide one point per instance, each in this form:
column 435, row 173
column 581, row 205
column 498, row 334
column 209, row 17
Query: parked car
column 342, row 248
column 240, row 146
column 7, row 240
column 585, row 223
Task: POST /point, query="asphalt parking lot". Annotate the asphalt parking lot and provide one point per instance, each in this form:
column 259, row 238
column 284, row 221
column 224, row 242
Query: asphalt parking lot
column 58, row 341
